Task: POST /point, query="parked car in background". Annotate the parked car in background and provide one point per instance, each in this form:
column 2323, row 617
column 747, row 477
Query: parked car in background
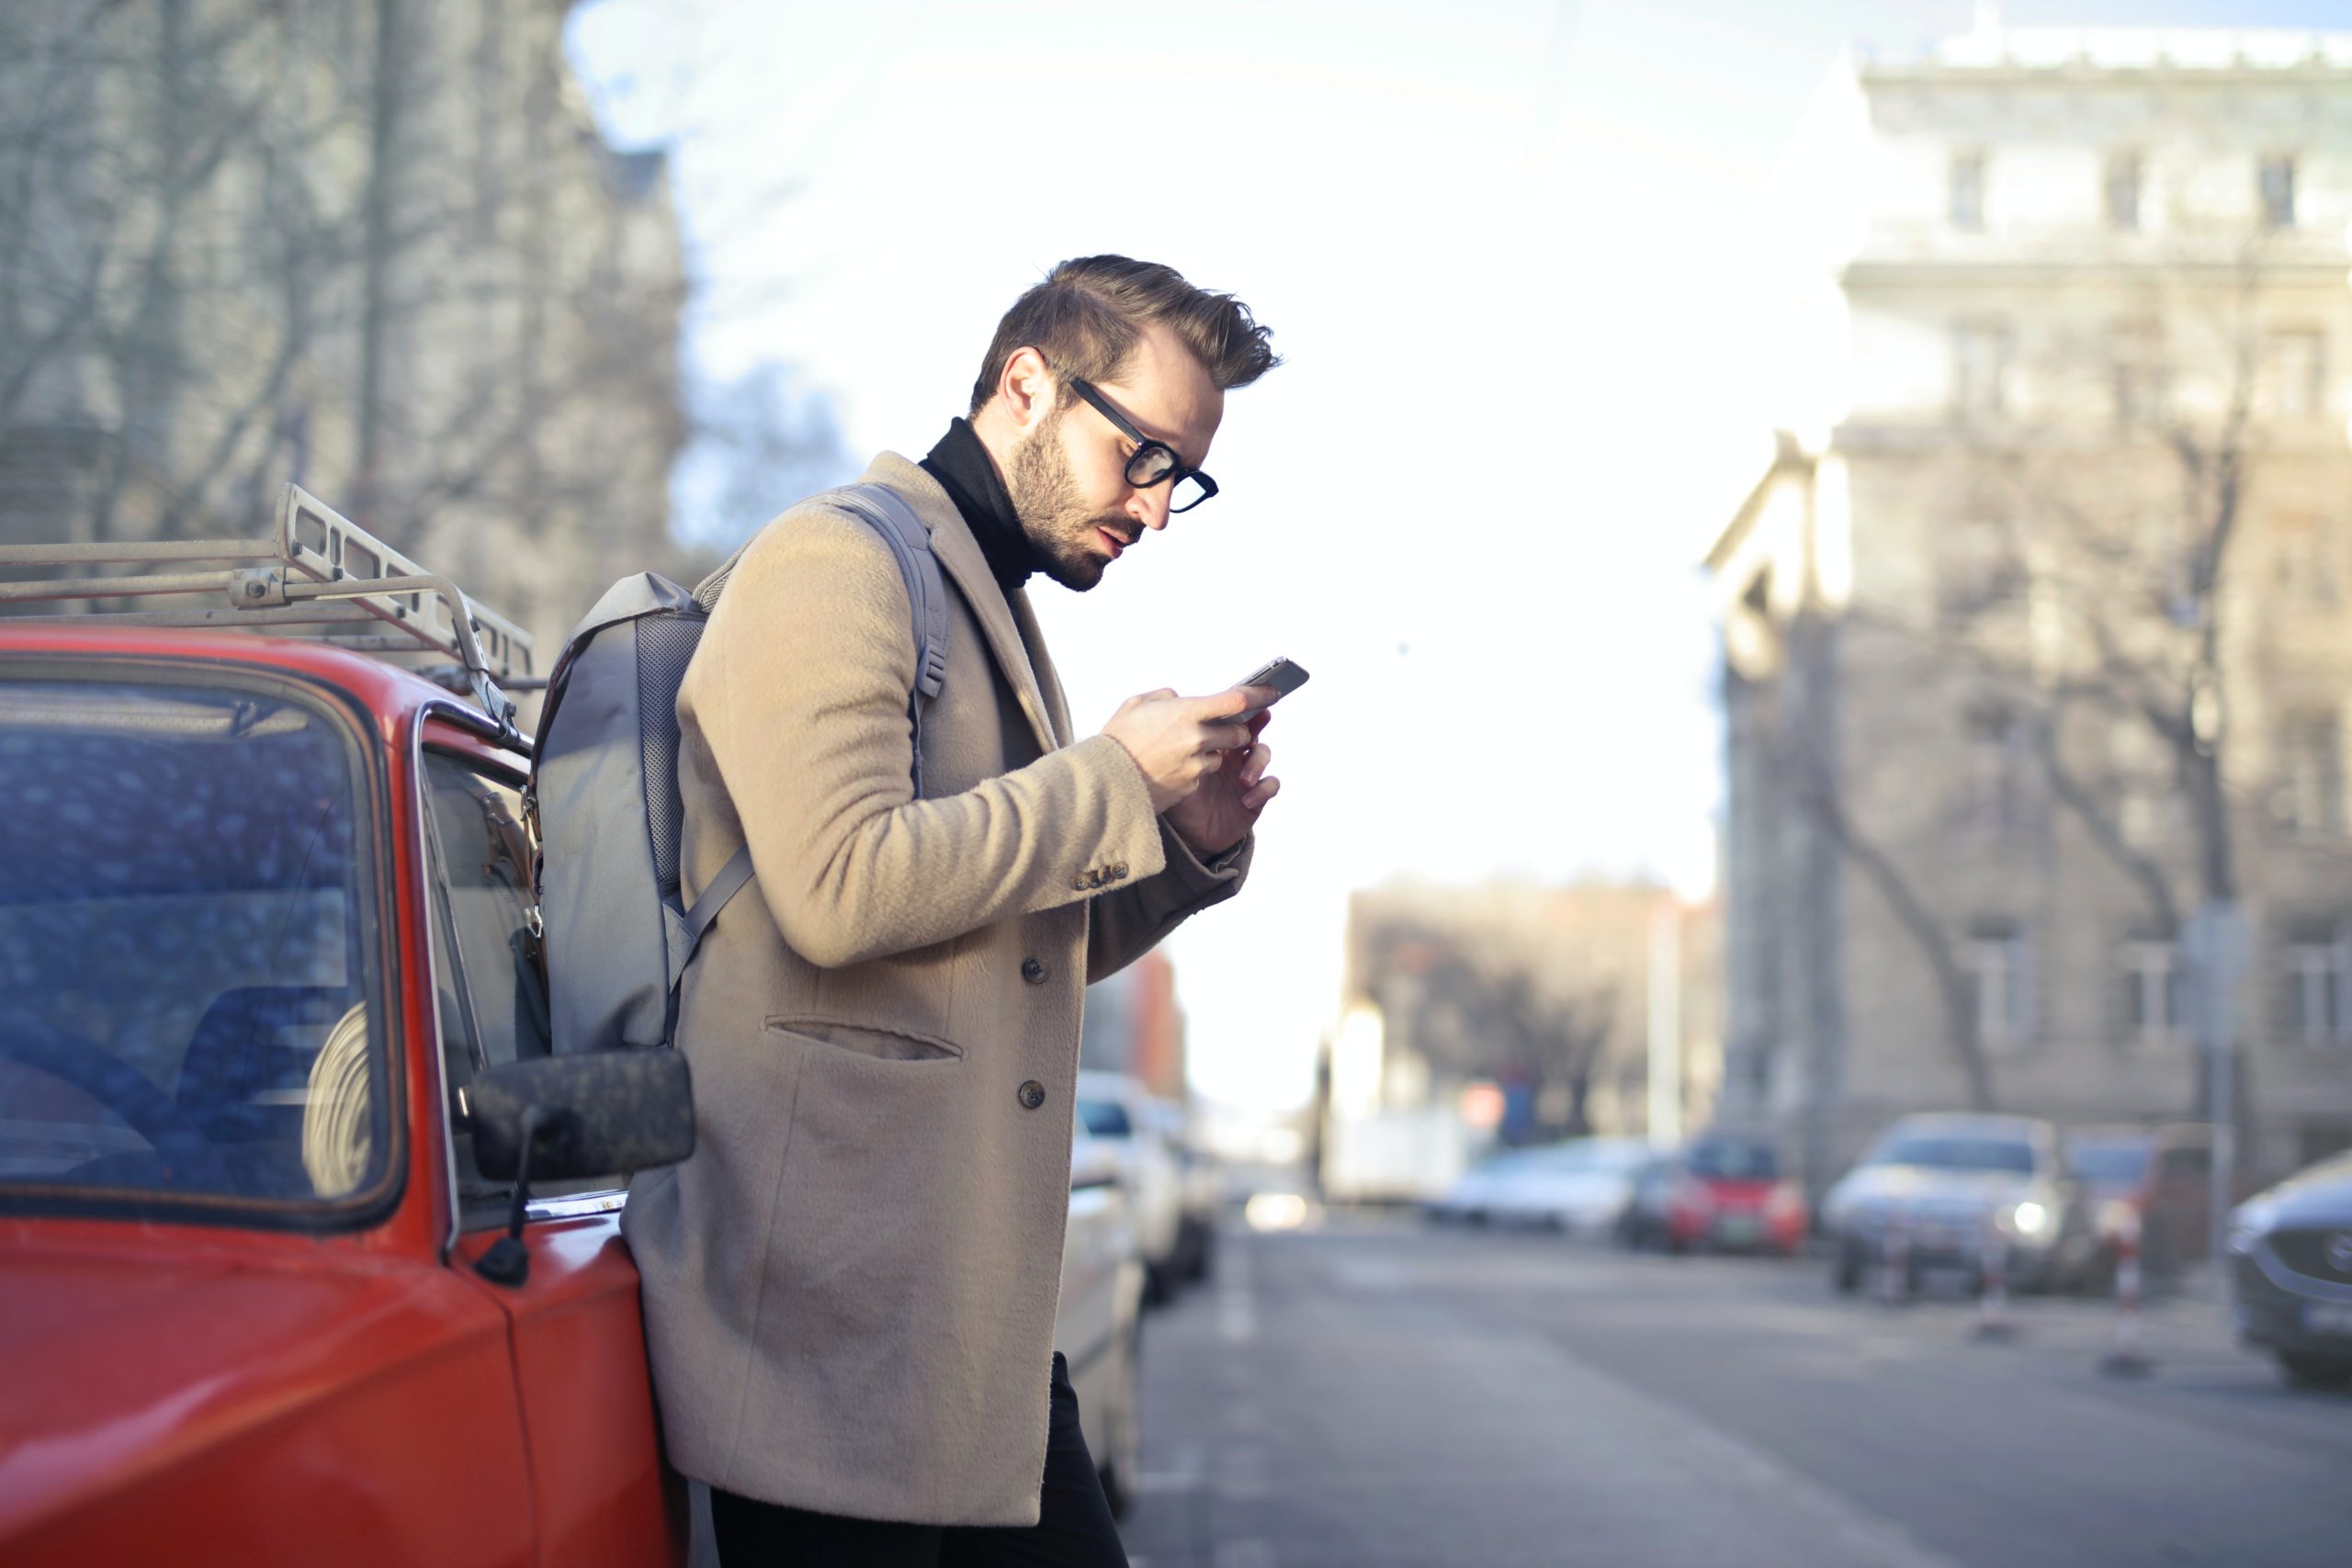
column 1200, row 1188
column 1723, row 1192
column 1099, row 1324
column 270, row 1290
column 2159, row 1179
column 1580, row 1185
column 1942, row 1184
column 1117, row 1110
column 1473, row 1196
column 2292, row 1252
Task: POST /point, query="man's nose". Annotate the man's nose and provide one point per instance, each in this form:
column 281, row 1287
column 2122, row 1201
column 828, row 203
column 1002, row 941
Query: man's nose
column 1150, row 506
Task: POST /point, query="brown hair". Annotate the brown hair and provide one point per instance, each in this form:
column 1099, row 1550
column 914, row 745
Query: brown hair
column 1085, row 318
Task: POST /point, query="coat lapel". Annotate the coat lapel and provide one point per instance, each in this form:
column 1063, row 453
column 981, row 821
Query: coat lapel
column 959, row 555
column 1024, row 616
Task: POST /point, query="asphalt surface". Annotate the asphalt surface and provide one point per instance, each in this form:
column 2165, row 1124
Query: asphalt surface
column 1371, row 1392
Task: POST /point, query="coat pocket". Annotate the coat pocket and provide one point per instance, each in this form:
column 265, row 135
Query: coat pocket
column 866, row 1040
column 877, row 1174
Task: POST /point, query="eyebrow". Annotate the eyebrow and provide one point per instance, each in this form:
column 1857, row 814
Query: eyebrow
column 1148, row 433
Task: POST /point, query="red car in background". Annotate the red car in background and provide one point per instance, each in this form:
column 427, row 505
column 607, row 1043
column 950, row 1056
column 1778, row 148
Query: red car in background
column 1723, row 1191
column 283, row 1276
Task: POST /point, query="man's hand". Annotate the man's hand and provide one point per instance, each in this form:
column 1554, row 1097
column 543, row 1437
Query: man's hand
column 1179, row 742
column 1217, row 816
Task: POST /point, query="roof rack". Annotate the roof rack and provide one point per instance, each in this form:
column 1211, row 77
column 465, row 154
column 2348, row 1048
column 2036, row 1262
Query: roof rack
column 320, row 575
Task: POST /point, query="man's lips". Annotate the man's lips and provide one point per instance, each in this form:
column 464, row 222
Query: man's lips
column 1118, row 546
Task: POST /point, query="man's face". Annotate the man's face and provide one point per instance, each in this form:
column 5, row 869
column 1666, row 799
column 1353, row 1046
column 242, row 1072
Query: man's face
column 1068, row 475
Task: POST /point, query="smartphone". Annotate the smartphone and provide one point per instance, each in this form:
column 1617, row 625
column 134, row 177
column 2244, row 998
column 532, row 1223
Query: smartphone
column 1280, row 673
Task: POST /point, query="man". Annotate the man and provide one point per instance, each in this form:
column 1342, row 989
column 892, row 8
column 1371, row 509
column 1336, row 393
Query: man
column 850, row 1289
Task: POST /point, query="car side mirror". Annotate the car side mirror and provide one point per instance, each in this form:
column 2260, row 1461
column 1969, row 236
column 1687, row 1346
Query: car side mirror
column 558, row 1117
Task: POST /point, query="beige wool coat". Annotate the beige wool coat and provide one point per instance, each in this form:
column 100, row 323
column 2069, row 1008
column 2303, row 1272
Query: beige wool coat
column 850, row 1288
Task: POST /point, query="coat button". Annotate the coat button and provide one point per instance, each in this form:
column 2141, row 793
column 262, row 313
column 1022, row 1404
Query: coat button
column 1032, row 1095
column 1119, row 872
column 1033, row 971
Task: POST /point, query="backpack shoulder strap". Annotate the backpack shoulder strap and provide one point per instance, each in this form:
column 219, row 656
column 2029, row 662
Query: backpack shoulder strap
column 886, row 513
column 910, row 541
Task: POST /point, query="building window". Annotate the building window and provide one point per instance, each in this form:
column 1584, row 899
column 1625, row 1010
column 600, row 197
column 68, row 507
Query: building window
column 2276, row 182
column 2311, row 776
column 2316, row 962
column 1979, row 369
column 1999, row 969
column 1997, row 771
column 2294, row 373
column 1968, row 191
column 2152, row 992
column 2123, row 190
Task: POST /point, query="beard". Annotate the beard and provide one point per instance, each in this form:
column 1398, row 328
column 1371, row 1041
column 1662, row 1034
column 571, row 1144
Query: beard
column 1053, row 513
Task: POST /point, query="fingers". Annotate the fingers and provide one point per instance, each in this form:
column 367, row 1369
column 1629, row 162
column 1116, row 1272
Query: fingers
column 1255, row 797
column 1236, row 701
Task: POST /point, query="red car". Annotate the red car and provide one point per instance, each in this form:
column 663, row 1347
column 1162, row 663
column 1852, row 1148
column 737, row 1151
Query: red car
column 308, row 1253
column 1721, row 1191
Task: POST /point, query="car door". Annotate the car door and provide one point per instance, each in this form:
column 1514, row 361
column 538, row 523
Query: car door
column 599, row 1491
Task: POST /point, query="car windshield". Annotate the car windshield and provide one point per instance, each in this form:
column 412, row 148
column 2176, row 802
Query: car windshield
column 184, row 927
column 1956, row 1151
column 1104, row 1119
column 2109, row 1165
column 1734, row 1162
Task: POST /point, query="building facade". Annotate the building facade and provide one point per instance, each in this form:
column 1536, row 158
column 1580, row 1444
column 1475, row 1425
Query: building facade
column 2036, row 646
column 1135, row 1025
column 376, row 247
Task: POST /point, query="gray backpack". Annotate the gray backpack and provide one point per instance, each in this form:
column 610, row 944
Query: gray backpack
column 604, row 790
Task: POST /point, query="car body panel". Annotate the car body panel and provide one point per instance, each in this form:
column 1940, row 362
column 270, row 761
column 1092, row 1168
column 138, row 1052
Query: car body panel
column 2292, row 1253
column 1097, row 1326
column 599, row 1491
column 213, row 1397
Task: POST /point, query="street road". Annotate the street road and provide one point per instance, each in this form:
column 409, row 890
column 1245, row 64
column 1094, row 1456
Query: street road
column 1368, row 1392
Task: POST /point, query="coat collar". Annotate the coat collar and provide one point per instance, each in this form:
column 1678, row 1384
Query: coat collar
column 959, row 554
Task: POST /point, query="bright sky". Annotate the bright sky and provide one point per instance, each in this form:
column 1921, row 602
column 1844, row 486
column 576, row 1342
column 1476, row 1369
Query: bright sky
column 1507, row 248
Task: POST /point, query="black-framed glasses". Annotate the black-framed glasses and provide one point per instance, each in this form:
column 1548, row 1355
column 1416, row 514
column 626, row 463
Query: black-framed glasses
column 1153, row 462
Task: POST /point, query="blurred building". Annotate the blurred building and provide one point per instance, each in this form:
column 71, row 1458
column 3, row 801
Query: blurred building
column 1515, row 1012
column 1134, row 1026
column 374, row 246
column 2040, row 646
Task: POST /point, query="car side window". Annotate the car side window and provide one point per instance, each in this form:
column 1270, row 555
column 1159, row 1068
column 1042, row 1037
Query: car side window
column 492, row 1003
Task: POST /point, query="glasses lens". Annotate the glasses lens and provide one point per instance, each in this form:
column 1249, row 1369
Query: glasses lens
column 1149, row 466
column 1189, row 492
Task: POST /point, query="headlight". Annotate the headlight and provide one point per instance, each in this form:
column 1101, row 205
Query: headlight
column 2027, row 1218
column 2249, row 1222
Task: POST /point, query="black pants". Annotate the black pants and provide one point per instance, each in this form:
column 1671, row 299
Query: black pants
column 1073, row 1528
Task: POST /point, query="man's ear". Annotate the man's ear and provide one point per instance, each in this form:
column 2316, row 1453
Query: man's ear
column 1027, row 388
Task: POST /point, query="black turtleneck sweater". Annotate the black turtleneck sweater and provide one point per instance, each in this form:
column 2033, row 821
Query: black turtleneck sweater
column 966, row 472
